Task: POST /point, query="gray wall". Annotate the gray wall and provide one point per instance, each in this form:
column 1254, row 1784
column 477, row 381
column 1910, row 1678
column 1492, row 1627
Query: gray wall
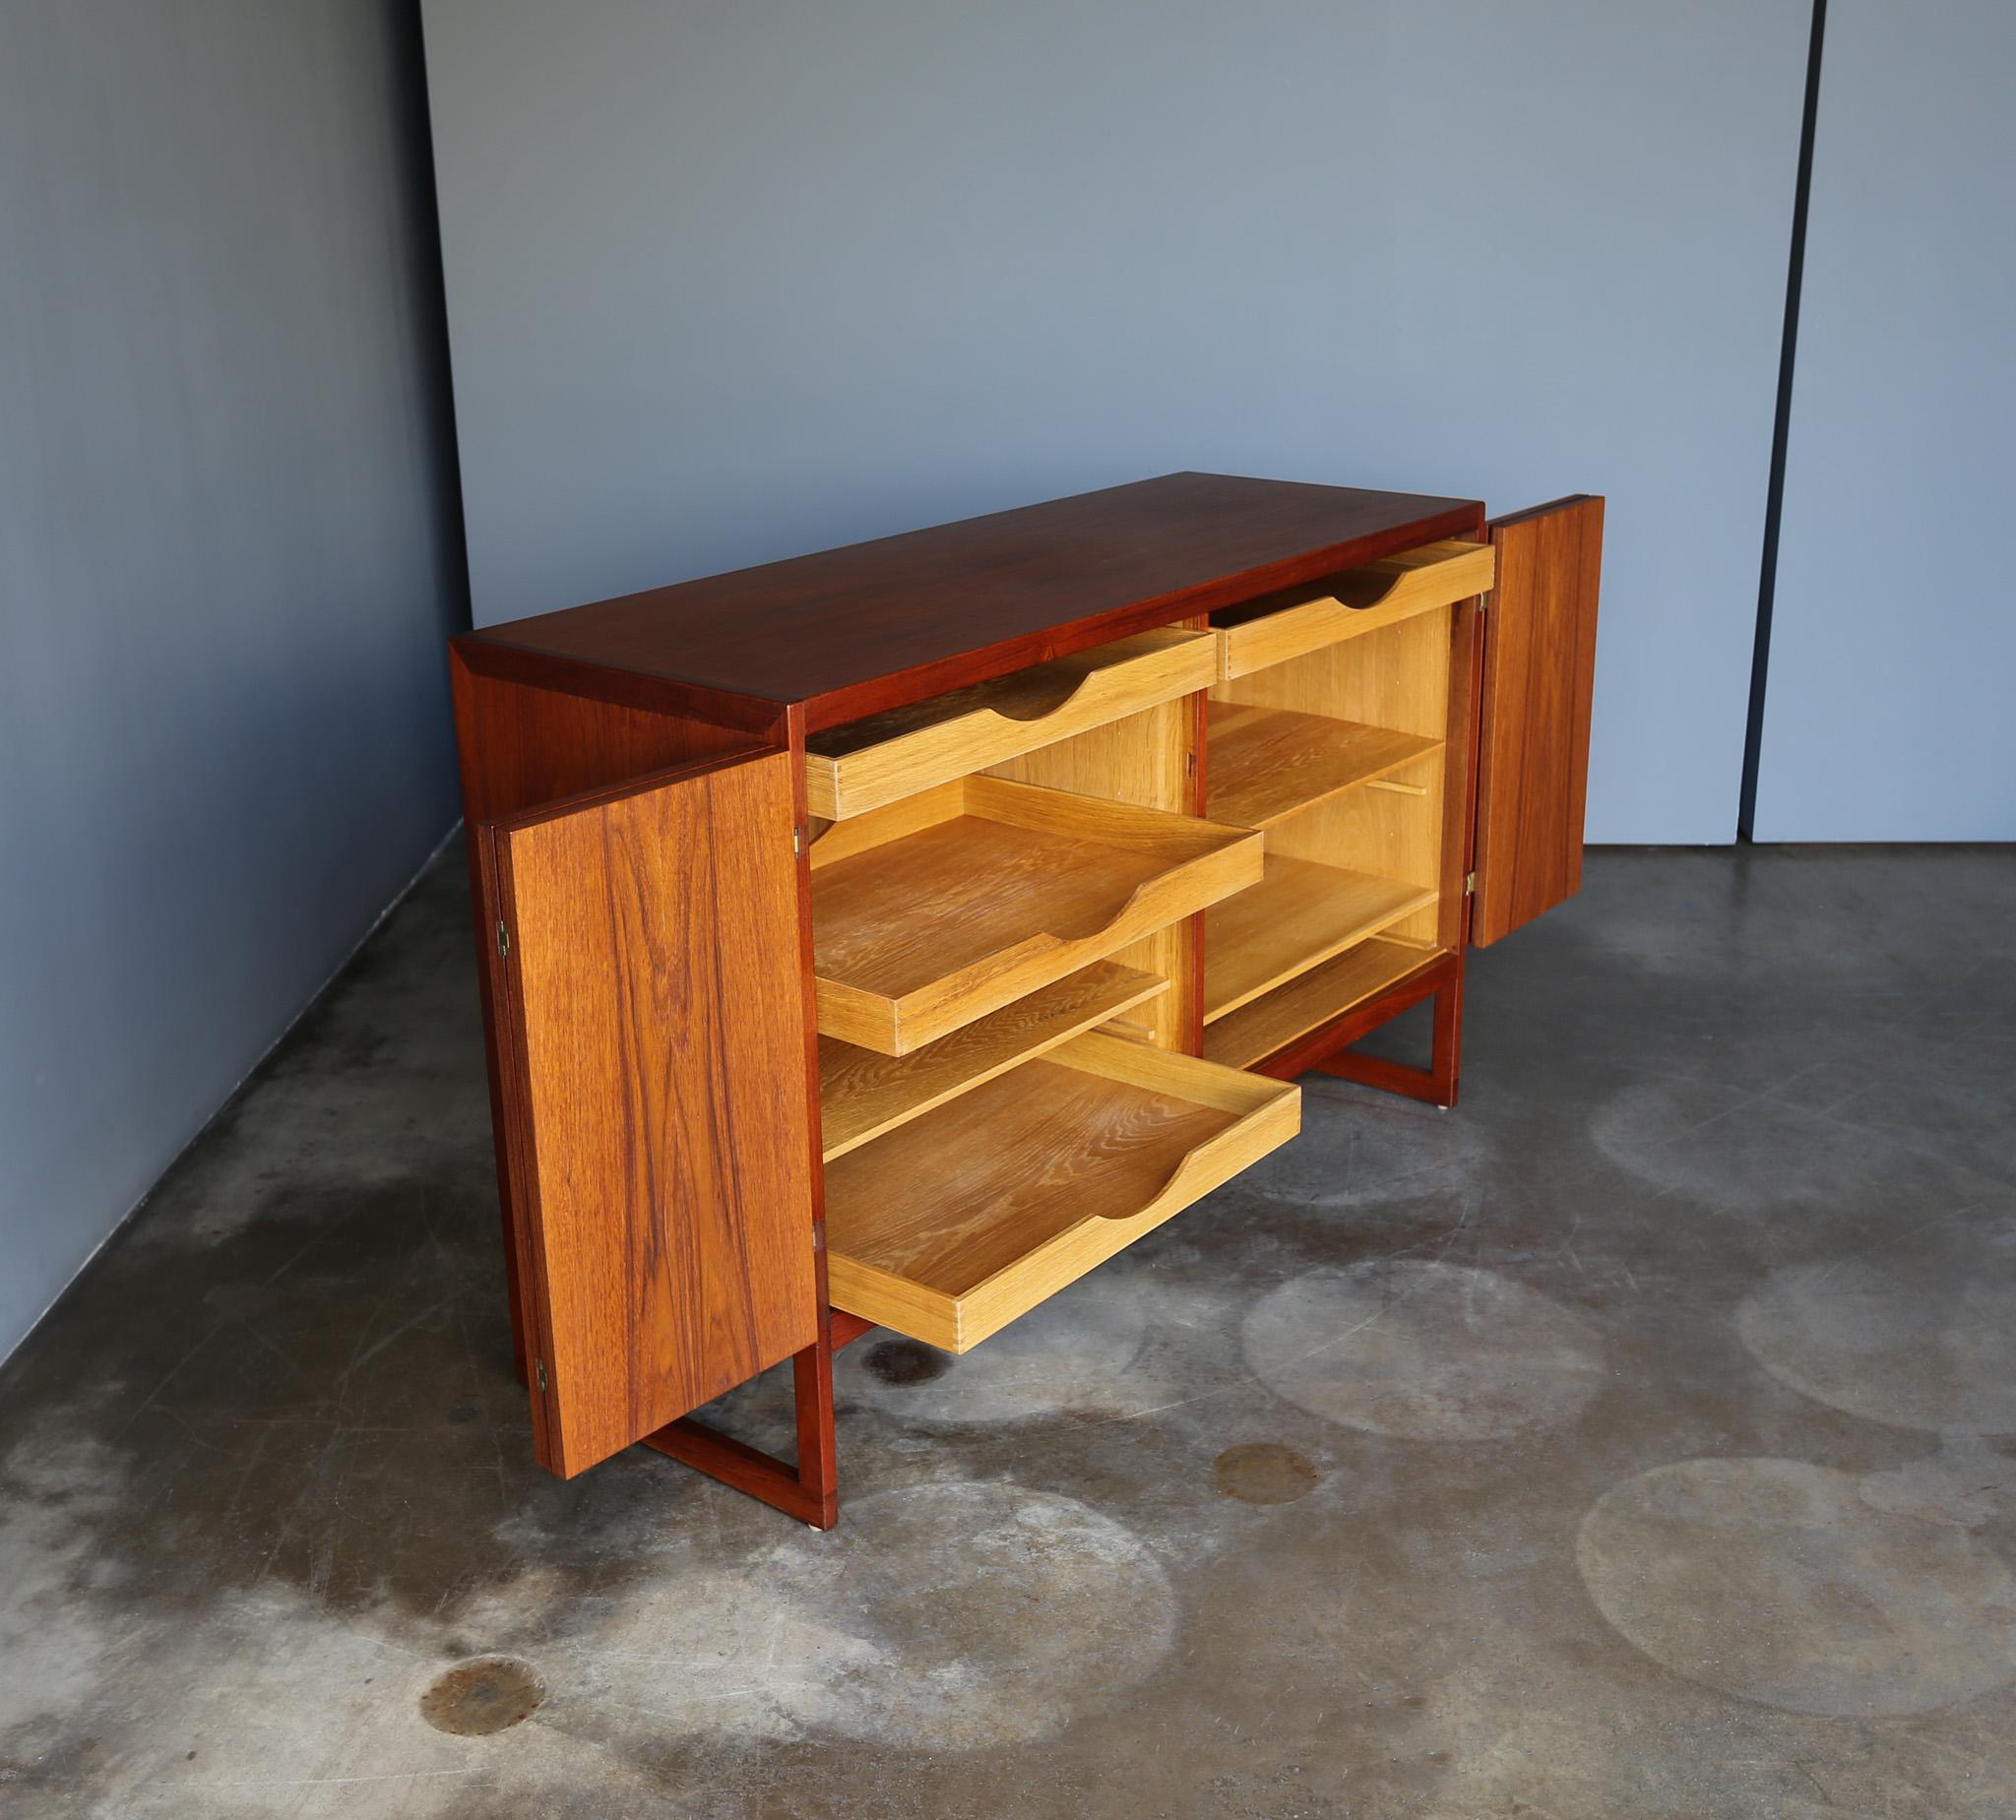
column 1893, row 644
column 729, row 282
column 223, row 574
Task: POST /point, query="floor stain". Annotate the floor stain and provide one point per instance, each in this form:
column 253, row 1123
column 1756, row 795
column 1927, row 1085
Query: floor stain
column 1778, row 1582
column 474, row 1699
column 1427, row 1351
column 1918, row 1335
column 1264, row 1472
column 904, row 1363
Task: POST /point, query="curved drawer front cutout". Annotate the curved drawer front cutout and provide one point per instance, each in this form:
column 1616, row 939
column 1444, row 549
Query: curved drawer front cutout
column 953, row 1225
column 1277, row 627
column 948, row 905
column 867, row 764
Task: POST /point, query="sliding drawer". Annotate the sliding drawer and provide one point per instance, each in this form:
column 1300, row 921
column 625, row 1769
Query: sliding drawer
column 951, row 1227
column 863, row 1093
column 947, row 905
column 865, row 764
column 1256, row 634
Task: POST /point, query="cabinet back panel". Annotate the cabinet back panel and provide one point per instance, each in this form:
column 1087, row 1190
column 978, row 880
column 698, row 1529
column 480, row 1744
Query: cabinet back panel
column 1142, row 758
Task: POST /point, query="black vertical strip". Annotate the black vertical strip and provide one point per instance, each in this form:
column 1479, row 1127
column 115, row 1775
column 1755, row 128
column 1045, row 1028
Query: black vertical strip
column 1774, row 500
column 416, row 149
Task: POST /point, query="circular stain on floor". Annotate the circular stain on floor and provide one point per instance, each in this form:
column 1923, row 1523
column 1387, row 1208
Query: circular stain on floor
column 1072, row 1352
column 1264, row 1472
column 948, row 1615
column 904, row 1363
column 1423, row 1352
column 476, row 1698
column 1778, row 1582
column 1920, row 1336
column 1357, row 1151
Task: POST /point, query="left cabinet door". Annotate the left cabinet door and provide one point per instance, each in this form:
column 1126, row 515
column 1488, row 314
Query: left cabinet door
column 651, row 1023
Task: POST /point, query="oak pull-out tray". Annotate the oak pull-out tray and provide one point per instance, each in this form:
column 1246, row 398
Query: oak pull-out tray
column 865, row 764
column 946, row 906
column 863, row 1093
column 950, row 1226
column 1255, row 634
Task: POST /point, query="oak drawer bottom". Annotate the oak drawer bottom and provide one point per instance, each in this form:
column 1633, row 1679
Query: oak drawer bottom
column 950, row 1226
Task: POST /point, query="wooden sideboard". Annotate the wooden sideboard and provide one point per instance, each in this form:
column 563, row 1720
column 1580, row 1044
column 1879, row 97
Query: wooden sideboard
column 886, row 937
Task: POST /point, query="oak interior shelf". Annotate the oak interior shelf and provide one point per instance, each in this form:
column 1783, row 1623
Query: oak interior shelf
column 1272, row 628
column 1313, row 999
column 1298, row 917
column 865, row 764
column 953, row 1225
column 946, row 906
column 863, row 1093
column 1267, row 764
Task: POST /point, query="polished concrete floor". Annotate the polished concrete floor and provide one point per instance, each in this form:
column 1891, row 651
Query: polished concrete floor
column 1639, row 1439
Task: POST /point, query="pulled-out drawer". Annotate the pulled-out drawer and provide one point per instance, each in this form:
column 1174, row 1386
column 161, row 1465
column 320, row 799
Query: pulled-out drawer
column 952, row 1225
column 1276, row 627
column 945, row 906
column 865, row 764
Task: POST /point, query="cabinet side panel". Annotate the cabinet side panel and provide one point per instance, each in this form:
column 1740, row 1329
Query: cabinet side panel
column 1532, row 748
column 521, row 746
column 656, row 993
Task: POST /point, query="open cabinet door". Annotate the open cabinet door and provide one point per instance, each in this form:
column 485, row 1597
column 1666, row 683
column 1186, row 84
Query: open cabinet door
column 651, row 1019
column 1533, row 740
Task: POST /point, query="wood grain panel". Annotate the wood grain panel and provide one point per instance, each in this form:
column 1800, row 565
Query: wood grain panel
column 1538, row 678
column 656, row 1031
column 953, row 1225
column 521, row 746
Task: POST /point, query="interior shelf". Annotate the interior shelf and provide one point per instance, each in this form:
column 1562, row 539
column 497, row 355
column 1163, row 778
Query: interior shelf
column 865, row 764
column 1312, row 999
column 953, row 1225
column 863, row 1093
column 1298, row 917
column 947, row 905
column 1268, row 763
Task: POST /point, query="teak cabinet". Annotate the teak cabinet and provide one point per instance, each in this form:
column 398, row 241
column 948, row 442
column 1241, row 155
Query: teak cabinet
column 888, row 936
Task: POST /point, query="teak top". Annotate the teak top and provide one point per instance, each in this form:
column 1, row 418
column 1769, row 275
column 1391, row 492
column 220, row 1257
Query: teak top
column 849, row 631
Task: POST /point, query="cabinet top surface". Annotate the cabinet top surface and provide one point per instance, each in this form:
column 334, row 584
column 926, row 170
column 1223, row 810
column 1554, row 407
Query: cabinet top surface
column 932, row 609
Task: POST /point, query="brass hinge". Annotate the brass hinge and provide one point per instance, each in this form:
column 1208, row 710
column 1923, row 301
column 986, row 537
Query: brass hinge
column 538, row 1366
column 798, row 838
column 1469, row 884
column 503, row 938
column 1190, row 764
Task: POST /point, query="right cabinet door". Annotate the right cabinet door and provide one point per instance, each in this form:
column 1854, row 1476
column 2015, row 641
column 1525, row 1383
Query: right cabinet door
column 1533, row 734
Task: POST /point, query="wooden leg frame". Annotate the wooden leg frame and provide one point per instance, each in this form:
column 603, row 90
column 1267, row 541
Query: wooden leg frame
column 808, row 1490
column 1327, row 1050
